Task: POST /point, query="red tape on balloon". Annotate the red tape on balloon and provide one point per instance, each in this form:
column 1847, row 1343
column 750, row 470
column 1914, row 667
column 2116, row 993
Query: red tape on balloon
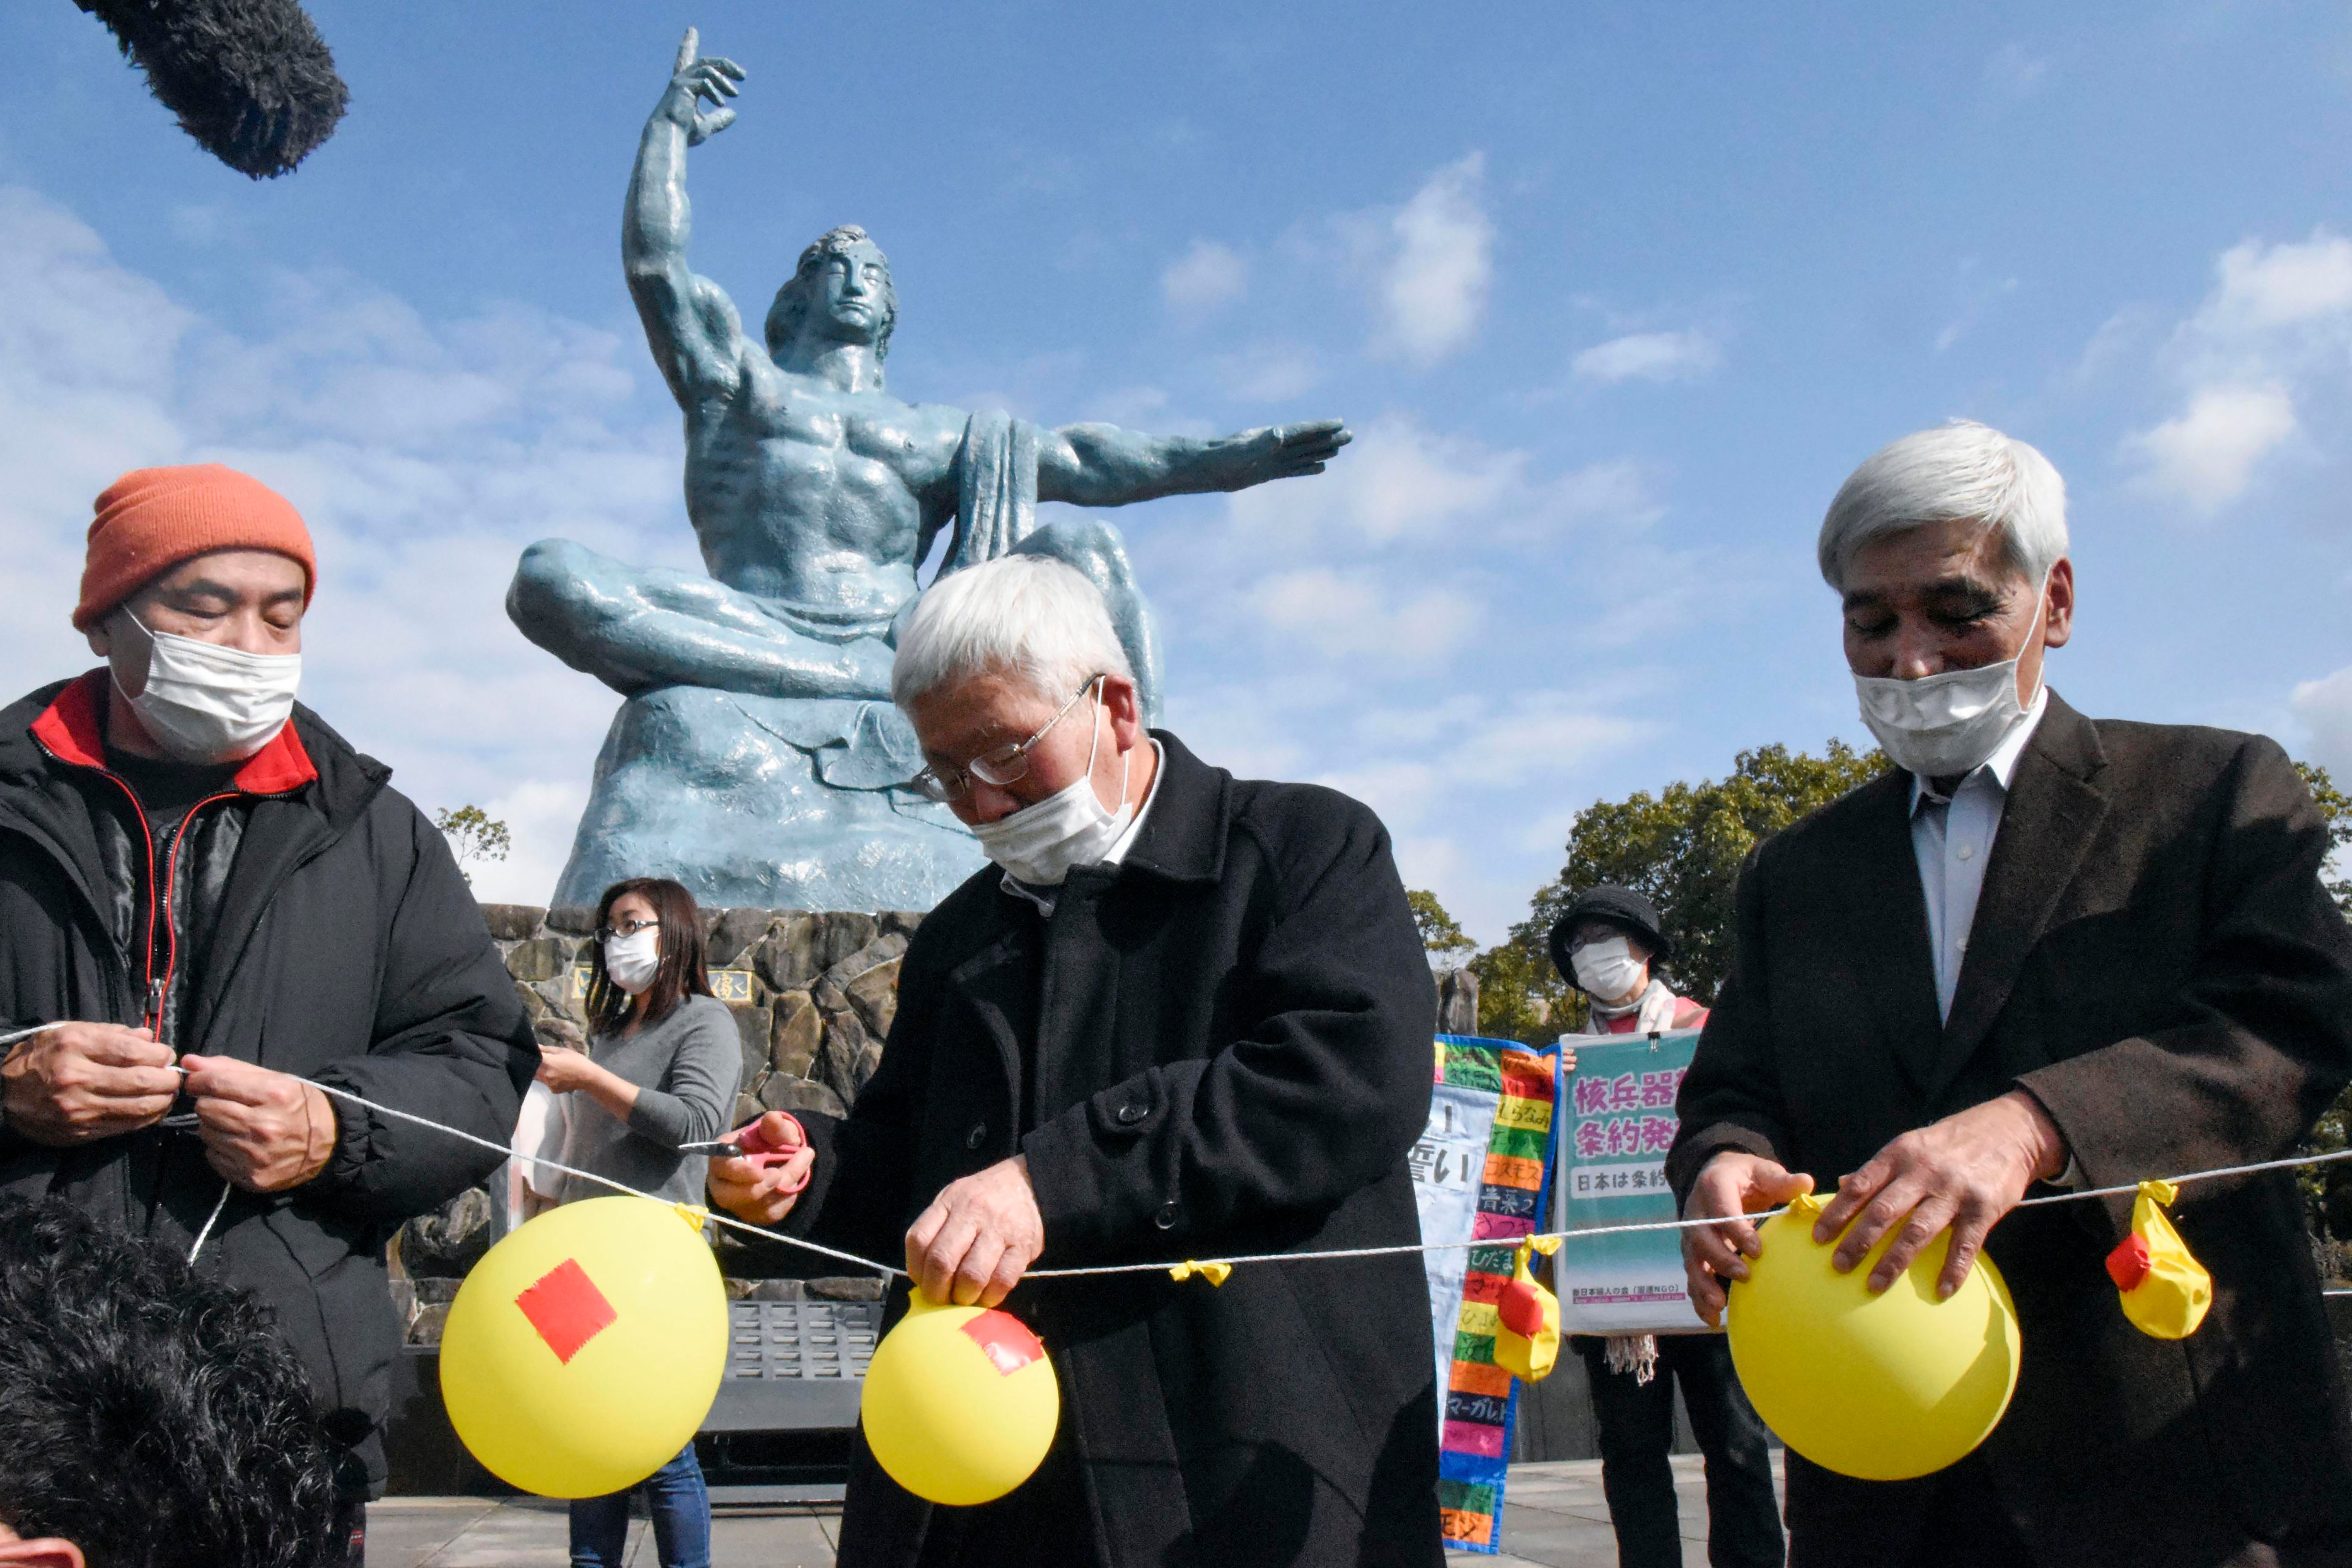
column 1006, row 1339
column 567, row 1309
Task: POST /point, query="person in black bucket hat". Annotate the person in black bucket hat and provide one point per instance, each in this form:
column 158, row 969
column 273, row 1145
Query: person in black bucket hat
column 1608, row 945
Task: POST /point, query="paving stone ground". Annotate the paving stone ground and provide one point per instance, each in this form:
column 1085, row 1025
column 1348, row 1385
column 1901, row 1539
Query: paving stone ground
column 1553, row 1517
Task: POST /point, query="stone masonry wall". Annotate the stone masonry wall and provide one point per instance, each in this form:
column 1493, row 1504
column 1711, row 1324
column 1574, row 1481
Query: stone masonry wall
column 813, row 993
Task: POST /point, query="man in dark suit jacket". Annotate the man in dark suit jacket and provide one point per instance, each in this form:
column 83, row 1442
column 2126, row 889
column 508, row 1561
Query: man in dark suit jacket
column 2050, row 951
column 1182, row 1015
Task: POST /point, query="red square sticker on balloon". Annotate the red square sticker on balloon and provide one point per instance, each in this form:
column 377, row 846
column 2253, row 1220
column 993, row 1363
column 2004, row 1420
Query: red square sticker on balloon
column 1006, row 1339
column 567, row 1309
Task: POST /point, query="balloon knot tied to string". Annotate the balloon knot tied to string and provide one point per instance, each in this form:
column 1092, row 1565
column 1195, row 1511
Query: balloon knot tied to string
column 696, row 1218
column 2163, row 1193
column 1215, row 1273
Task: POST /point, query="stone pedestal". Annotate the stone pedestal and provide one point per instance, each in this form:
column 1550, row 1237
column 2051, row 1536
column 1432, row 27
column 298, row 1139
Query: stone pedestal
column 767, row 803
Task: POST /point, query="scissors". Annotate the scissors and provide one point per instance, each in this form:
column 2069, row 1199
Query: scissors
column 745, row 1143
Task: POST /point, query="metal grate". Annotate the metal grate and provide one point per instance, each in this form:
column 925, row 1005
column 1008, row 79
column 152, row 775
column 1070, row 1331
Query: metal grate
column 794, row 1365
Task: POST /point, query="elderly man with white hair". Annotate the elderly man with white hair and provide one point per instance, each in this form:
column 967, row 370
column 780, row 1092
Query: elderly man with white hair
column 1183, row 1016
column 2046, row 950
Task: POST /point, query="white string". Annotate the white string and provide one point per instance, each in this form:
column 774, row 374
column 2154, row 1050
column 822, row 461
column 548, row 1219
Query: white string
column 716, row 1217
column 2125, row 1190
column 218, row 1203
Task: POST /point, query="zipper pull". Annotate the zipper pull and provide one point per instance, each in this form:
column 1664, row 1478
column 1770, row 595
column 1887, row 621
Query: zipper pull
column 155, row 1006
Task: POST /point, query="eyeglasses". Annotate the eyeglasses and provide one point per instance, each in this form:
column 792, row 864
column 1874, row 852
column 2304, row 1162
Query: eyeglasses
column 624, row 928
column 1005, row 765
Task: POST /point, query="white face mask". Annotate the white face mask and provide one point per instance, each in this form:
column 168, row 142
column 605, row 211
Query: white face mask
column 206, row 703
column 632, row 961
column 1040, row 843
column 1940, row 725
column 1608, row 970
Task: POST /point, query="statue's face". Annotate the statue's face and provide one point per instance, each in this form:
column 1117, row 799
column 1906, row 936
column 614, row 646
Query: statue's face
column 851, row 300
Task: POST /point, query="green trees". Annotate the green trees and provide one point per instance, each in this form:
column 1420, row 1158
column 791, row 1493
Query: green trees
column 1681, row 848
column 474, row 835
column 1444, row 939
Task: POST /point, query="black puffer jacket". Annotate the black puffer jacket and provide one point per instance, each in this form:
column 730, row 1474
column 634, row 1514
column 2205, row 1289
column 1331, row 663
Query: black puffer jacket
column 317, row 926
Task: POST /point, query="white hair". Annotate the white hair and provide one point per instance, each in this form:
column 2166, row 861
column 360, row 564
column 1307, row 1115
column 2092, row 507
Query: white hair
column 1026, row 616
column 1960, row 470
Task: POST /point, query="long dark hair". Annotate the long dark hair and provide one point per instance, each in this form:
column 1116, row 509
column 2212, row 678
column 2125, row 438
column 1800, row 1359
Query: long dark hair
column 682, row 973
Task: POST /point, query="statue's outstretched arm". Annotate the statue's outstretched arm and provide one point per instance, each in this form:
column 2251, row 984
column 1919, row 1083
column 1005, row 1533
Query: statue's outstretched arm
column 1102, row 465
column 695, row 335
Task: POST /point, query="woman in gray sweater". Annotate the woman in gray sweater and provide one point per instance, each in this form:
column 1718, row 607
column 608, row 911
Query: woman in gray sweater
column 661, row 1069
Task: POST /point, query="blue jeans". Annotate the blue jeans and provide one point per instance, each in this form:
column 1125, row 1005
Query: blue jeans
column 681, row 1513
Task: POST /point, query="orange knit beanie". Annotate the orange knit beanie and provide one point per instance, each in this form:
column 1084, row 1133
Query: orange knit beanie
column 151, row 519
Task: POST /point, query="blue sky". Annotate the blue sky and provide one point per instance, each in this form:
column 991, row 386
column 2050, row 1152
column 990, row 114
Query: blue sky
column 1614, row 300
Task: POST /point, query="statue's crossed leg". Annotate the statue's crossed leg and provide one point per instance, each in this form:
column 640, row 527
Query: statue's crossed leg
column 640, row 628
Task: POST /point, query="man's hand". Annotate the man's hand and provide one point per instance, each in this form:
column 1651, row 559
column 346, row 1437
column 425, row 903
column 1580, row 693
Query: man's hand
column 1280, row 452
column 1965, row 1171
column 262, row 1130
column 81, row 1081
column 692, row 79
column 978, row 1238
column 1730, row 1186
column 763, row 1195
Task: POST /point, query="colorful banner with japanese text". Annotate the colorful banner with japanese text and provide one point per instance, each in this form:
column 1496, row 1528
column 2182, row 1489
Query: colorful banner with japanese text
column 1474, row 1187
column 1617, row 1123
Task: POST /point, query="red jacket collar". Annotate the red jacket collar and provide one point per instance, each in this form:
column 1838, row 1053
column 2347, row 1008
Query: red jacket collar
column 73, row 730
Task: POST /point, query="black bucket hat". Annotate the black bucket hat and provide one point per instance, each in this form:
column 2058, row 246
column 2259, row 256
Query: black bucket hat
column 1620, row 907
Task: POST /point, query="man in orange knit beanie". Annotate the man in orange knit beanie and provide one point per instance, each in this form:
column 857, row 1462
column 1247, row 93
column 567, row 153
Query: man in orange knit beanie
column 211, row 905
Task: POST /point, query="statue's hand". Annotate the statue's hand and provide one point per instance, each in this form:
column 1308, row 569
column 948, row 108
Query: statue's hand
column 1281, row 451
column 692, row 79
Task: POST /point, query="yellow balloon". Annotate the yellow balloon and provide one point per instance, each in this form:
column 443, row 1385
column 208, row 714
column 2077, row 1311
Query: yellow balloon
column 1880, row 1387
column 961, row 1403
column 584, row 1349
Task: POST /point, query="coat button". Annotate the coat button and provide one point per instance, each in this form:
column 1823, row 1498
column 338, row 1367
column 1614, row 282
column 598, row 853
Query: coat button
column 1166, row 1219
column 1128, row 1115
column 977, row 1136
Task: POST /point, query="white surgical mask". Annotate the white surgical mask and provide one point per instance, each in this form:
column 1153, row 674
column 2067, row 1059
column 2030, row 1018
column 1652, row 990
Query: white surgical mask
column 1941, row 725
column 1608, row 970
column 632, row 961
column 1040, row 843
column 206, row 703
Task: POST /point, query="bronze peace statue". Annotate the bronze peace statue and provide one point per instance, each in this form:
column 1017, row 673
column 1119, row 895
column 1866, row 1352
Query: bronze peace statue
column 757, row 757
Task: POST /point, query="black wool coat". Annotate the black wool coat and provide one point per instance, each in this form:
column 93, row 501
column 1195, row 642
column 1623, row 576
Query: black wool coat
column 1221, row 1046
column 321, row 930
column 2155, row 961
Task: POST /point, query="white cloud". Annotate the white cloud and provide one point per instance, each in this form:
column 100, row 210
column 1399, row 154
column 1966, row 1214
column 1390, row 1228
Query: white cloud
column 2207, row 454
column 1648, row 356
column 1352, row 614
column 1268, row 372
column 2325, row 707
column 1204, row 278
column 1400, row 481
column 2264, row 287
column 1439, row 264
column 424, row 455
column 2014, row 72
column 2272, row 335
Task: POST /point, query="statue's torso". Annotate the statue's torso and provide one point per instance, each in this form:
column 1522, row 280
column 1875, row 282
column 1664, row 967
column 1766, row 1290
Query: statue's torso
column 816, row 499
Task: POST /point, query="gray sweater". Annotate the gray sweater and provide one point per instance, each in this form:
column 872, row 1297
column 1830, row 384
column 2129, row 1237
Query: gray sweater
column 687, row 1068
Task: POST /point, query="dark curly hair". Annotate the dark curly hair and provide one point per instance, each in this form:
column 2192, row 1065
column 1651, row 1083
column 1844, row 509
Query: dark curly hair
column 147, row 1414
column 792, row 301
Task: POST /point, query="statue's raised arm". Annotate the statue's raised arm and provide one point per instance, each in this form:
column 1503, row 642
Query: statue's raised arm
column 697, row 336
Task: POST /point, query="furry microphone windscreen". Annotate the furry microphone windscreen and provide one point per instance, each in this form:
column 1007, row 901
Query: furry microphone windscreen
column 250, row 79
